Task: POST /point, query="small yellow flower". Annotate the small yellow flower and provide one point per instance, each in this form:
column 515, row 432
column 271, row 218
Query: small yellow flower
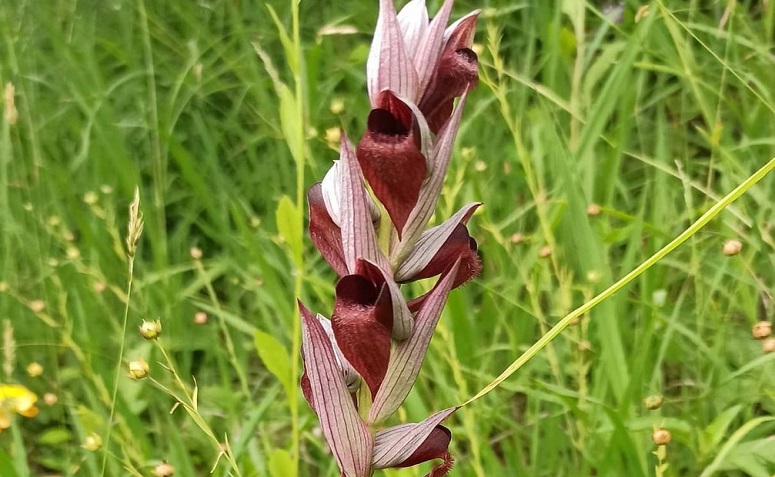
column 138, row 369
column 150, row 330
column 16, row 399
column 92, row 443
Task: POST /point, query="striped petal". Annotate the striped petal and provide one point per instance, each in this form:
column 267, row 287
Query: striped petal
column 347, row 435
column 388, row 66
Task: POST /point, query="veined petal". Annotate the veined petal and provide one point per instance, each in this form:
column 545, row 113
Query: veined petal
column 362, row 321
column 426, row 56
column 358, row 236
column 407, row 357
column 430, row 243
column 330, row 188
column 388, row 66
column 391, row 158
column 332, row 193
column 403, row 321
column 325, row 233
column 429, row 194
column 347, row 435
column 461, row 32
column 410, row 444
column 413, row 19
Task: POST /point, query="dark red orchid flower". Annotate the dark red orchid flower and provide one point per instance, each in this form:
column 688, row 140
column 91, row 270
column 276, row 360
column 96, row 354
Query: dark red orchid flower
column 360, row 365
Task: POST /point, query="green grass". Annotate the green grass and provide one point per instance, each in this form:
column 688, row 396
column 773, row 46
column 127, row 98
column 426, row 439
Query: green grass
column 655, row 121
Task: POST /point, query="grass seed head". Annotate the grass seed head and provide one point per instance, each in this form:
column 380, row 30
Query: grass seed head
column 135, row 227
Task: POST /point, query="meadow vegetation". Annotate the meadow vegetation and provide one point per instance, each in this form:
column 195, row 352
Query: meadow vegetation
column 594, row 138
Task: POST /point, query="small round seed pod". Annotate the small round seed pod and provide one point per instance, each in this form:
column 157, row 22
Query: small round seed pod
column 661, row 437
column 150, row 330
column 139, row 369
column 761, row 330
column 163, row 470
column 732, row 247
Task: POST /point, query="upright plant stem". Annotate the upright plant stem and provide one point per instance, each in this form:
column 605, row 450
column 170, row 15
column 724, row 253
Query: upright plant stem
column 298, row 70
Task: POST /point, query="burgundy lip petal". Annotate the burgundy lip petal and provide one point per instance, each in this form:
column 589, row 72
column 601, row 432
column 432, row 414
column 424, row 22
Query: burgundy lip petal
column 393, row 312
column 444, row 468
column 325, row 234
column 457, row 73
column 435, row 446
column 458, row 245
column 391, row 162
column 358, row 321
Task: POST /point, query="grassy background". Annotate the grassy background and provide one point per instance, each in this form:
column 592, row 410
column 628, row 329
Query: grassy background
column 652, row 120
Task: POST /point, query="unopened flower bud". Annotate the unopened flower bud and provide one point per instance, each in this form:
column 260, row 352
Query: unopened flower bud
column 138, row 369
column 653, row 402
column 150, row 330
column 732, row 247
column 196, row 253
column 545, row 251
column 768, row 345
column 761, row 330
column 661, row 437
column 163, row 470
column 593, row 210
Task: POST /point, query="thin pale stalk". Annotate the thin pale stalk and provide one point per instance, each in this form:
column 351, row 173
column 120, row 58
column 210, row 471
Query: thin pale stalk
column 639, row 270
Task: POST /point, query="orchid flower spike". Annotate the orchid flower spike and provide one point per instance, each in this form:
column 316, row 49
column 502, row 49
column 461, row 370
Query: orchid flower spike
column 360, row 365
